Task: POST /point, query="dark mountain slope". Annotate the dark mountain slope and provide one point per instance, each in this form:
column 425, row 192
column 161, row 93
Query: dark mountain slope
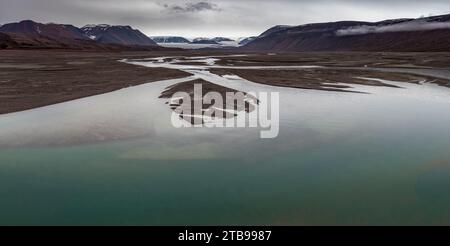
column 54, row 31
column 123, row 35
column 425, row 34
column 32, row 35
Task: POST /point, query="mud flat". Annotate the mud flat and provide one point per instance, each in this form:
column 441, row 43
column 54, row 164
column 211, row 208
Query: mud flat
column 338, row 70
column 228, row 109
column 30, row 79
column 327, row 79
column 344, row 59
column 35, row 78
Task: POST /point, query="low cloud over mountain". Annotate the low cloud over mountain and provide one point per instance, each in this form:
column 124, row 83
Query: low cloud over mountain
column 399, row 35
column 418, row 25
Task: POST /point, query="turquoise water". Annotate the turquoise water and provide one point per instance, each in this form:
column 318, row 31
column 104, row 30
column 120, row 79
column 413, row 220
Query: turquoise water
column 341, row 159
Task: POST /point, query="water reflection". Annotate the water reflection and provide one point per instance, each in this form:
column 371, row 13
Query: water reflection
column 341, row 158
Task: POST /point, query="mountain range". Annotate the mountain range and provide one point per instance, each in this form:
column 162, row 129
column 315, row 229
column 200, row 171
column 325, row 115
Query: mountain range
column 170, row 40
column 399, row 35
column 204, row 41
column 30, row 34
column 198, row 43
column 182, row 40
column 430, row 34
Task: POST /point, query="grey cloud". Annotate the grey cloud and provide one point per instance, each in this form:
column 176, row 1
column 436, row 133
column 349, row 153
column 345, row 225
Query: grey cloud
column 210, row 18
column 418, row 25
column 192, row 7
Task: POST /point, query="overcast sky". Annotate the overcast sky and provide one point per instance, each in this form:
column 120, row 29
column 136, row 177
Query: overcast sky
column 208, row 18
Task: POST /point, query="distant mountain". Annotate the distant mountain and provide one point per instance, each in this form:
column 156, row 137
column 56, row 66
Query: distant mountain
column 222, row 39
column 245, row 41
column 170, row 39
column 123, row 35
column 33, row 35
column 54, row 31
column 204, row 41
column 423, row 34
